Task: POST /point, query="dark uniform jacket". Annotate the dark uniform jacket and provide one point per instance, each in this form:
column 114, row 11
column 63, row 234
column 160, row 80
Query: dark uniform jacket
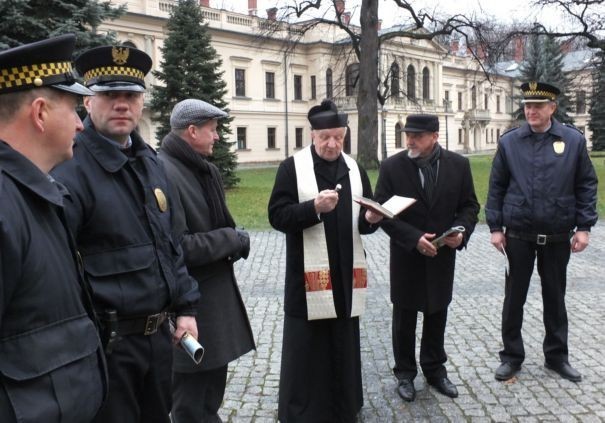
column 546, row 186
column 418, row 282
column 222, row 321
column 120, row 210
column 51, row 368
column 287, row 215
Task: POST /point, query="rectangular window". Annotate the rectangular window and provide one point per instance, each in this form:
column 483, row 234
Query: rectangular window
column 299, row 137
column 241, row 138
column 297, row 87
column 313, row 87
column 459, row 101
column 486, row 101
column 240, row 83
column 460, row 136
column 270, row 137
column 497, row 134
column 269, row 85
column 581, row 102
column 497, row 104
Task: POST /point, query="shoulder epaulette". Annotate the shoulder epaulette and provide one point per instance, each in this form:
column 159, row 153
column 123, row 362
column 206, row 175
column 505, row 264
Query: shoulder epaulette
column 509, row 130
column 569, row 125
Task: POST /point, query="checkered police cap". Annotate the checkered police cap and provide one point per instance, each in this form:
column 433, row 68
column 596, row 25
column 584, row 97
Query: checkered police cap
column 114, row 68
column 45, row 63
column 194, row 112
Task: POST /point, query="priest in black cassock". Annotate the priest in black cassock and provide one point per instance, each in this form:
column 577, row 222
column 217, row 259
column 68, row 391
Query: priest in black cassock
column 326, row 274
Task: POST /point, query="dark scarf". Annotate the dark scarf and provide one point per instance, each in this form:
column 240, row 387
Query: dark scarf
column 178, row 148
column 429, row 167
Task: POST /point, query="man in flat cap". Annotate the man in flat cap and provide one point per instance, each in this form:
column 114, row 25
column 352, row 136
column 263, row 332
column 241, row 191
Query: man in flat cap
column 326, row 274
column 541, row 203
column 120, row 211
column 51, row 359
column 211, row 244
column 422, row 272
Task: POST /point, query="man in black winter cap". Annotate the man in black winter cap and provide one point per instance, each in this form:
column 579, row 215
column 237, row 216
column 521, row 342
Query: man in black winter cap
column 326, row 273
column 422, row 272
column 51, row 365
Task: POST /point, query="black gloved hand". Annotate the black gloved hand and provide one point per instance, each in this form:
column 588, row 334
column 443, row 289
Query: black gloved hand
column 244, row 238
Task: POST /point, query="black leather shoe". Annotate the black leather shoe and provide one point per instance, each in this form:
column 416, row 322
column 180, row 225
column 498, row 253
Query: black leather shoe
column 406, row 390
column 564, row 370
column 444, row 385
column 507, row 370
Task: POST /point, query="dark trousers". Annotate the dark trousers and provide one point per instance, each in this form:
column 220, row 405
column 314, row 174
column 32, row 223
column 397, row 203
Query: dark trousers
column 552, row 268
column 140, row 372
column 432, row 352
column 197, row 397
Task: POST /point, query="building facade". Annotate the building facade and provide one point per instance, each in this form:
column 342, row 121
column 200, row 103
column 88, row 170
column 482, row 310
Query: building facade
column 275, row 72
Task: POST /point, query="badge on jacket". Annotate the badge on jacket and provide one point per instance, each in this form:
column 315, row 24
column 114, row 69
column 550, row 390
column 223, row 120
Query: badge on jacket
column 161, row 199
column 558, row 146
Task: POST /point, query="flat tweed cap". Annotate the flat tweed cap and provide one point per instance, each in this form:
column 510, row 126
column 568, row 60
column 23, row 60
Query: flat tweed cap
column 45, row 63
column 421, row 123
column 194, row 112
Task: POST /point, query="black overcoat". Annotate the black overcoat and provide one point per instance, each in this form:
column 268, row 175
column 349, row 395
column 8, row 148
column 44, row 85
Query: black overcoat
column 222, row 321
column 419, row 282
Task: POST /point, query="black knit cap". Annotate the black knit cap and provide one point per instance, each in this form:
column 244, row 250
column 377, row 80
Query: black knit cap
column 114, row 68
column 45, row 63
column 421, row 123
column 539, row 92
column 326, row 116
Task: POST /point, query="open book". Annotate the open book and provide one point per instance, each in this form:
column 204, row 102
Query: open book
column 390, row 208
column 438, row 242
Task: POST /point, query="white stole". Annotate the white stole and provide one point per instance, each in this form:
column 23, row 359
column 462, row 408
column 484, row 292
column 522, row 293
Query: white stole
column 318, row 285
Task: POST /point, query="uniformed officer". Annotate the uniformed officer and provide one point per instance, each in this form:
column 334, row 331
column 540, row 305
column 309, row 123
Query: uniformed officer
column 51, row 365
column 120, row 210
column 541, row 203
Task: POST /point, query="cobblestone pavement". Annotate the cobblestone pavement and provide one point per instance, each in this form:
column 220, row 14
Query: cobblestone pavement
column 472, row 342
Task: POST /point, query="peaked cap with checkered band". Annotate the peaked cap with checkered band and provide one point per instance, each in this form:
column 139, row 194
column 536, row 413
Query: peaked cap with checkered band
column 114, row 68
column 45, row 63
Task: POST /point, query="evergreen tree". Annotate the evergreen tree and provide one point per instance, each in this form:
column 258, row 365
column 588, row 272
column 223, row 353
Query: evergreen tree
column 544, row 63
column 26, row 21
column 597, row 106
column 191, row 69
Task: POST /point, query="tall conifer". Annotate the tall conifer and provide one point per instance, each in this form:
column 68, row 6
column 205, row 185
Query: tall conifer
column 597, row 106
column 190, row 68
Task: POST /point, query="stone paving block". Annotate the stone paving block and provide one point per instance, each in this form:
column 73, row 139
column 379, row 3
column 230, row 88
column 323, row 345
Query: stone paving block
column 472, row 341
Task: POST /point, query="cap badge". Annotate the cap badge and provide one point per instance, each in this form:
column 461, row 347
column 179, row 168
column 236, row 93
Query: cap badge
column 120, row 55
column 533, row 85
column 558, row 146
column 161, row 199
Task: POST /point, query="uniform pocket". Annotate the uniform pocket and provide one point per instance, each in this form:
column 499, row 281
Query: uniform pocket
column 566, row 210
column 513, row 211
column 61, row 364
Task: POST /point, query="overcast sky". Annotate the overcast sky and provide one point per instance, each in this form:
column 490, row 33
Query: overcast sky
column 502, row 10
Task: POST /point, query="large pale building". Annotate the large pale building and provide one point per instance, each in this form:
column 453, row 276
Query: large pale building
column 272, row 81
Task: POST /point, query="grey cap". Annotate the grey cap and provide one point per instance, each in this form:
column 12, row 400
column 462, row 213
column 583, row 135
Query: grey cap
column 194, row 112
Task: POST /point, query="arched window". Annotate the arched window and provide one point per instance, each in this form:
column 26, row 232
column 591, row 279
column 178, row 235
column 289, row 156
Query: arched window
column 474, row 97
column 351, row 78
column 398, row 142
column 426, row 78
column 329, row 89
column 411, row 82
column 395, row 91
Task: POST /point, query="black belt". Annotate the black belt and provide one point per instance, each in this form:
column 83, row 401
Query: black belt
column 539, row 239
column 146, row 325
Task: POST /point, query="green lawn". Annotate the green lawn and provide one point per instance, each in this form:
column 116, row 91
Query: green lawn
column 248, row 202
